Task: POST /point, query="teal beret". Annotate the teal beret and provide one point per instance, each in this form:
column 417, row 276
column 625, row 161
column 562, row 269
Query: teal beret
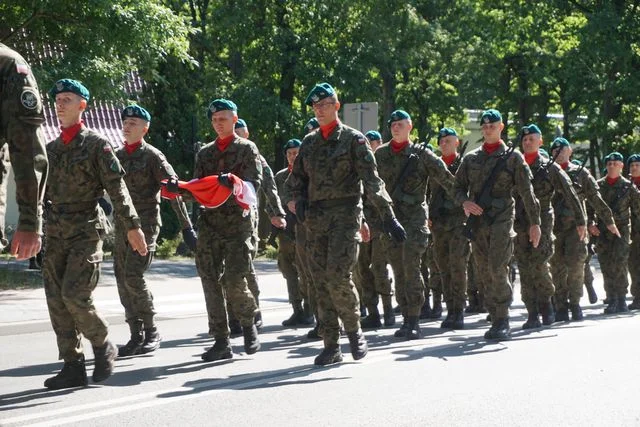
column 292, row 143
column 319, row 92
column 543, row 153
column 398, row 115
column 530, row 129
column 613, row 157
column 135, row 111
column 373, row 135
column 69, row 85
column 576, row 162
column 429, row 147
column 240, row 124
column 559, row 142
column 220, row 104
column 633, row 158
column 312, row 124
column 444, row 132
column 490, row 116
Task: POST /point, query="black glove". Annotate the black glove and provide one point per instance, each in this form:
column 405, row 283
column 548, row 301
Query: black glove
column 223, row 179
column 301, row 209
column 172, row 185
column 190, row 238
column 392, row 227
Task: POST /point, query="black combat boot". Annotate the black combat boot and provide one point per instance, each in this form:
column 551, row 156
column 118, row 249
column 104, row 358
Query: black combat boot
column 296, row 318
column 562, row 312
column 473, row 306
column 330, row 355
column 481, row 306
column 219, row 351
column 413, row 328
column 425, row 311
column 576, row 312
column 447, row 323
column 436, row 311
column 73, row 374
column 251, row 341
column 622, row 305
column 612, row 307
column 257, row 319
column 152, row 340
column 402, row 332
column 234, row 326
column 499, row 330
column 458, row 319
column 548, row 313
column 103, row 361
column 387, row 308
column 363, row 310
column 635, row 304
column 314, row 334
column 532, row 321
column 134, row 346
column 358, row 344
column 372, row 321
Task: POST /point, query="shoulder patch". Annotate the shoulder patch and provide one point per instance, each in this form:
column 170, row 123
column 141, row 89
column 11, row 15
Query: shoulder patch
column 115, row 166
column 22, row 67
column 107, row 148
column 29, row 99
column 362, row 140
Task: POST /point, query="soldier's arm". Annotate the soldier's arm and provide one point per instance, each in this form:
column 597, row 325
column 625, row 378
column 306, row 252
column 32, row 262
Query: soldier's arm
column 439, row 172
column 296, row 183
column 562, row 183
column 366, row 167
column 461, row 182
column 163, row 170
column 594, row 198
column 523, row 177
column 251, row 167
column 634, row 204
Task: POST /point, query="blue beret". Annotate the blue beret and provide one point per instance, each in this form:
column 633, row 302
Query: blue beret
column 373, row 135
column 530, row 129
column 135, row 111
column 292, row 143
column 312, row 124
column 240, row 124
column 319, row 92
column 398, row 115
column 69, row 85
column 559, row 142
column 613, row 157
column 490, row 116
column 444, row 132
column 220, row 104
column 633, row 158
column 576, row 162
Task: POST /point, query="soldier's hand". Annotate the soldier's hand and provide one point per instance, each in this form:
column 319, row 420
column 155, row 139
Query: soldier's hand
column 172, row 185
column 613, row 229
column 190, row 238
column 471, row 208
column 25, row 244
column 225, row 180
column 582, row 232
column 393, row 227
column 278, row 222
column 137, row 241
column 365, row 232
column 534, row 235
column 594, row 231
column 291, row 205
column 429, row 224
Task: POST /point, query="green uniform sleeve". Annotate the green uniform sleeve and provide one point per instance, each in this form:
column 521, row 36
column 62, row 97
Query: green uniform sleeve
column 270, row 190
column 461, row 182
column 163, row 170
column 366, row 168
column 523, row 178
column 439, row 172
column 563, row 185
column 592, row 194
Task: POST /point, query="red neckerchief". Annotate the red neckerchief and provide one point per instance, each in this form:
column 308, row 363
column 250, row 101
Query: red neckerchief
column 223, row 143
column 327, row 129
column 636, row 180
column 612, row 181
column 69, row 133
column 490, row 148
column 130, row 148
column 397, row 147
column 564, row 165
column 449, row 159
column 531, row 157
column 289, row 168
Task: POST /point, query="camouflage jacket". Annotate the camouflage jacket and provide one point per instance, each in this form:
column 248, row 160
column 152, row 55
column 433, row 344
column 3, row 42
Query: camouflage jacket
column 144, row 169
column 269, row 188
column 20, row 119
column 623, row 198
column 474, row 170
column 337, row 168
column 79, row 172
column 280, row 180
column 409, row 196
column 444, row 212
column 587, row 190
column 549, row 180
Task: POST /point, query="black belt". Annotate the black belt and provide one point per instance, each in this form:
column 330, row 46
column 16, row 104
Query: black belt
column 331, row 203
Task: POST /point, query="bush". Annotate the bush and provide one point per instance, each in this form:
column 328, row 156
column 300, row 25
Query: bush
column 166, row 248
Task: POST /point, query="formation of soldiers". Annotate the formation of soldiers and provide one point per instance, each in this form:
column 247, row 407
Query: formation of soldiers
column 345, row 207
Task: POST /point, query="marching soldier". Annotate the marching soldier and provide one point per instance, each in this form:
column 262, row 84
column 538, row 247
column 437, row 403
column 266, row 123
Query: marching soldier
column 634, row 267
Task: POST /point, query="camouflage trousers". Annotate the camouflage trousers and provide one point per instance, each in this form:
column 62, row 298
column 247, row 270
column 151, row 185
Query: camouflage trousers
column 5, row 165
column 567, row 266
column 451, row 254
column 634, row 266
column 431, row 275
column 405, row 259
column 332, row 244
column 613, row 254
column 536, row 285
column 252, row 277
column 492, row 251
column 372, row 273
column 129, row 268
column 472, row 283
column 223, row 262
column 71, row 270
column 305, row 282
column 287, row 266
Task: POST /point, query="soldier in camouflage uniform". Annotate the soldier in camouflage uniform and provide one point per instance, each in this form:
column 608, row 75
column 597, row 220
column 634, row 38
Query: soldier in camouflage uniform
column 371, row 268
column 407, row 169
column 451, row 248
column 493, row 244
column 145, row 168
column 82, row 166
column 22, row 138
column 333, row 165
column 549, row 180
column 634, row 253
column 570, row 251
column 622, row 196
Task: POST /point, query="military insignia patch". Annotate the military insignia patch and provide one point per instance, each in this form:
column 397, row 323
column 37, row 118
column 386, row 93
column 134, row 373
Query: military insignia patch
column 107, row 149
column 315, row 98
column 525, row 131
column 129, row 112
column 22, row 68
column 29, row 99
column 362, row 141
column 59, row 86
column 115, row 166
column 486, row 119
